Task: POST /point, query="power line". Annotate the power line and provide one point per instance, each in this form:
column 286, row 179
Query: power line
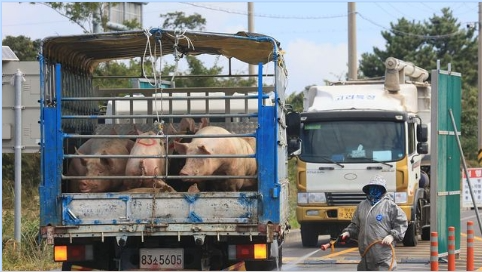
column 273, row 16
column 427, row 37
column 443, row 36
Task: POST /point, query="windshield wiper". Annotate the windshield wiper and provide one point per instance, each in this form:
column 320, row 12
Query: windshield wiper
column 332, row 161
column 373, row 160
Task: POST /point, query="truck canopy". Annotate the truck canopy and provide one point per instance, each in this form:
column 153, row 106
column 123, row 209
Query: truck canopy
column 87, row 50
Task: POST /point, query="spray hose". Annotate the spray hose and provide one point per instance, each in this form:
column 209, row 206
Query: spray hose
column 332, row 242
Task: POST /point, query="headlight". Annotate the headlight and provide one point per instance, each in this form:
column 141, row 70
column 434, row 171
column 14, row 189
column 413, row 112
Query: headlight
column 305, row 198
column 302, row 198
column 399, row 197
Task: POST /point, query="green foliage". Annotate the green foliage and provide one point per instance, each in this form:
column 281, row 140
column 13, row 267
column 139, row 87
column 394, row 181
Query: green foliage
column 469, row 124
column 296, row 101
column 84, row 13
column 179, row 20
column 30, row 176
column 23, row 47
column 30, row 254
column 293, row 194
column 440, row 38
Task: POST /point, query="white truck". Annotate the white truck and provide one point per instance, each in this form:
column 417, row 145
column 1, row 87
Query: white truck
column 353, row 130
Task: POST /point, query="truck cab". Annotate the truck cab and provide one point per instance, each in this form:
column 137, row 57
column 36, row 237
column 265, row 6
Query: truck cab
column 349, row 132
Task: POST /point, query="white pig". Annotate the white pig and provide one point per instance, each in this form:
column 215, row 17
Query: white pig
column 219, row 166
column 104, row 166
column 146, row 166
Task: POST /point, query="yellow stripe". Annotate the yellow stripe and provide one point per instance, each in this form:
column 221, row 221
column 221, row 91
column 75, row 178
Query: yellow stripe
column 475, row 237
column 341, row 252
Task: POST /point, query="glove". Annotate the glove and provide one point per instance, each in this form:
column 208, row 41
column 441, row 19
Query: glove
column 345, row 235
column 387, row 240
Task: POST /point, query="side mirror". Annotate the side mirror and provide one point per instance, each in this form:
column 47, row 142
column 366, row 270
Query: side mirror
column 422, row 148
column 294, row 145
column 422, row 133
column 294, row 124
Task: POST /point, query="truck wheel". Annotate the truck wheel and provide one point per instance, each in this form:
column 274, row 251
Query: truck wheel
column 426, row 233
column 66, row 266
column 309, row 235
column 410, row 238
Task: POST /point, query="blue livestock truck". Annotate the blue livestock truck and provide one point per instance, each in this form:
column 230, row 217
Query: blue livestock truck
column 153, row 229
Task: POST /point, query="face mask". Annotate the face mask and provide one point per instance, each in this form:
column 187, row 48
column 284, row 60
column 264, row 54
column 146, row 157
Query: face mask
column 374, row 194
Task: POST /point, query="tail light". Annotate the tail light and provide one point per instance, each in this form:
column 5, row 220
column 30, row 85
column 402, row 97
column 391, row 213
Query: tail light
column 73, row 253
column 248, row 252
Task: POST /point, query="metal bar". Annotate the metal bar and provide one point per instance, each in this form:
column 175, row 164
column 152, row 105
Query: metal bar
column 158, row 156
column 158, row 177
column 18, row 158
column 159, row 98
column 78, row 136
column 153, row 115
column 184, row 76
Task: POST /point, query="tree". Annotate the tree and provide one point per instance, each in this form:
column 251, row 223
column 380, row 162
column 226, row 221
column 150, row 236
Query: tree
column 86, row 14
column 23, row 47
column 439, row 38
column 178, row 19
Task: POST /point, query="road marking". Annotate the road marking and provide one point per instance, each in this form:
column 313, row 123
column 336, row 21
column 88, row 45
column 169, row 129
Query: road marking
column 475, row 237
column 341, row 252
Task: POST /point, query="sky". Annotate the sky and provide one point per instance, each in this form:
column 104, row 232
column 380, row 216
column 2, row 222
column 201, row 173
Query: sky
column 313, row 34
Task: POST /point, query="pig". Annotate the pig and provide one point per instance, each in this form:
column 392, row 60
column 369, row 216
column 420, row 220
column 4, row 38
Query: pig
column 187, row 127
column 99, row 166
column 146, row 166
column 219, row 166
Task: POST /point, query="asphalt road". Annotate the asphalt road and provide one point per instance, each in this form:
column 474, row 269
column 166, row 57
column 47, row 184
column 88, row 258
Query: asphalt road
column 345, row 258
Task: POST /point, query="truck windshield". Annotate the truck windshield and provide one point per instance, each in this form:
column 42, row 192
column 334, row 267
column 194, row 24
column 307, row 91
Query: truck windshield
column 352, row 141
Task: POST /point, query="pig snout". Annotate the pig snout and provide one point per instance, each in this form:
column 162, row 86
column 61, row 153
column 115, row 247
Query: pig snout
column 188, row 172
column 85, row 186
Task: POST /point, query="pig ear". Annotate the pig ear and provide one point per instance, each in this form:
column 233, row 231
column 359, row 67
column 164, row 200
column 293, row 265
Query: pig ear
column 204, row 122
column 83, row 161
column 204, row 149
column 170, row 130
column 180, row 148
column 108, row 162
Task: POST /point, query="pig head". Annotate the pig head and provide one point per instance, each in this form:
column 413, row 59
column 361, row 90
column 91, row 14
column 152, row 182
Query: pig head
column 146, row 166
column 218, row 166
column 102, row 166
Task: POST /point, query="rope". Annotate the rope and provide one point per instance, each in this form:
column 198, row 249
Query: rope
column 153, row 56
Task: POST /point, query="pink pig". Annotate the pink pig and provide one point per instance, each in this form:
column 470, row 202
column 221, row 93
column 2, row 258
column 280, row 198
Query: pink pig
column 146, row 166
column 106, row 166
column 219, row 166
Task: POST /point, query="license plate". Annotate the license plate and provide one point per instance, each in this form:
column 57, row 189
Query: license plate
column 161, row 258
column 346, row 213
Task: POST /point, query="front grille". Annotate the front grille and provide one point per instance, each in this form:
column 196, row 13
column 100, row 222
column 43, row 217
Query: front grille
column 342, row 199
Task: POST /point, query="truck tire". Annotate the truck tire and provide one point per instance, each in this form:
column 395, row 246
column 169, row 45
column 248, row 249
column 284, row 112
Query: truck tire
column 410, row 238
column 425, row 233
column 309, row 235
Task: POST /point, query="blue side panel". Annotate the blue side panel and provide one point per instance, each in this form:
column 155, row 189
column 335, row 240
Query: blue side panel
column 51, row 148
column 266, row 149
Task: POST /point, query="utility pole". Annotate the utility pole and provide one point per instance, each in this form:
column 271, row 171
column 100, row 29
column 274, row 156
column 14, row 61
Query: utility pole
column 251, row 29
column 479, row 131
column 352, row 59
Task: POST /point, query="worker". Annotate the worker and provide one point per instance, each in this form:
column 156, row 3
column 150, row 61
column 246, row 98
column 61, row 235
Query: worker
column 377, row 224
